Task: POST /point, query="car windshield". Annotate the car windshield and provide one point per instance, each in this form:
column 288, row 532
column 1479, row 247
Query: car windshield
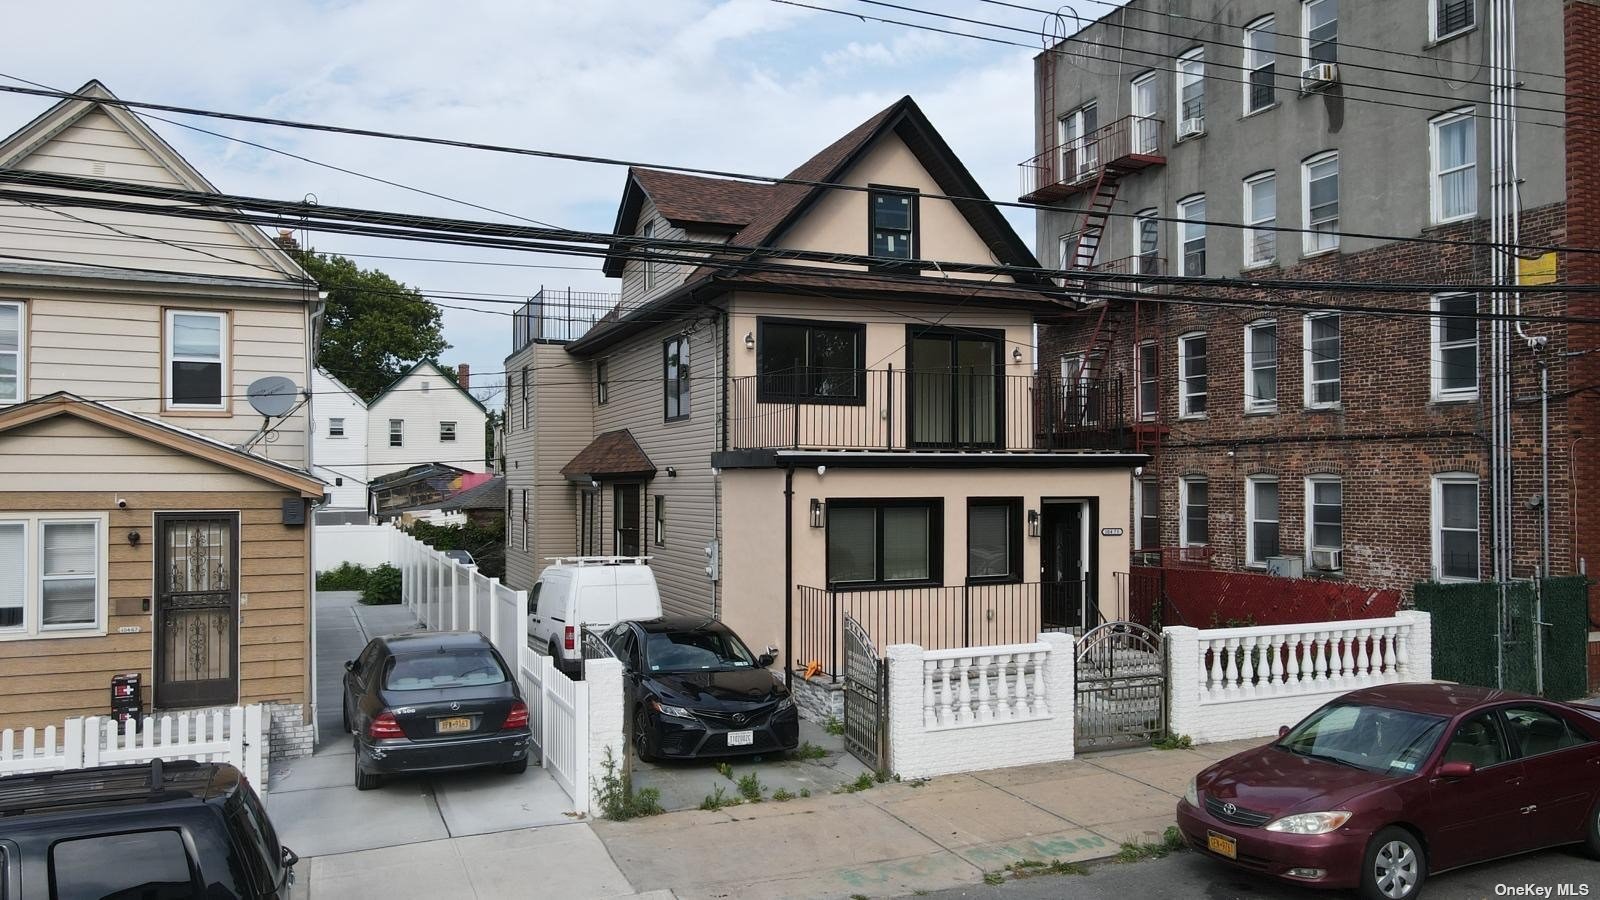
column 700, row 650
column 1374, row 738
column 446, row 668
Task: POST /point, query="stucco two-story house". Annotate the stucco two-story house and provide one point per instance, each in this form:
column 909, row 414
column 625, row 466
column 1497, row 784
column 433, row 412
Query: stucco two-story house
column 790, row 443
column 150, row 520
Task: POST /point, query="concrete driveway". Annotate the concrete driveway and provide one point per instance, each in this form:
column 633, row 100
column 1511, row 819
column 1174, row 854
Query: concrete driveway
column 821, row 765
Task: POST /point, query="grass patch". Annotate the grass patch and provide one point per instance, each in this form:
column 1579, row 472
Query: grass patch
column 834, row 727
column 718, row 798
column 618, row 800
column 1174, row 742
column 782, row 795
column 808, row 750
column 994, row 878
column 751, row 788
column 1134, row 851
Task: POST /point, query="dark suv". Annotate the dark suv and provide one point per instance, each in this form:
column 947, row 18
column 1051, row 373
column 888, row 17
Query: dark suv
column 164, row 830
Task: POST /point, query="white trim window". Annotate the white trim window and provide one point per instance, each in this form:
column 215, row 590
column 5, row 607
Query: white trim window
column 1455, row 526
column 648, row 232
column 1323, row 348
column 1194, row 508
column 1261, row 366
column 1192, row 376
column 1191, row 92
column 1261, row 64
column 1455, row 347
column 1146, row 242
column 1146, row 513
column 1453, row 166
column 13, row 350
column 1192, row 235
column 1324, row 522
column 1448, row 18
column 1261, row 214
column 447, row 432
column 336, row 427
column 1320, row 34
column 397, row 432
column 196, row 360
column 53, row 576
column 1261, row 519
column 1080, row 149
column 1146, row 376
column 1142, row 103
column 1320, row 212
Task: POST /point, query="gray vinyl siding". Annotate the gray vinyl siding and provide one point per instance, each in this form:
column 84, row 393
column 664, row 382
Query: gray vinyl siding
column 667, row 276
column 637, row 404
column 562, row 424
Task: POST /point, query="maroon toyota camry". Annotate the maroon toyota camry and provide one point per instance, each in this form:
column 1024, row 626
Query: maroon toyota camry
column 1383, row 786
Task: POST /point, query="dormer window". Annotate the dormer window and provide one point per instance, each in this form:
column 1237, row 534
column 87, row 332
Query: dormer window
column 648, row 232
column 894, row 221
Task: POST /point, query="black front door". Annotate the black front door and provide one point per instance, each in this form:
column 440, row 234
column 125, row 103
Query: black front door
column 1061, row 565
column 197, row 609
column 625, row 517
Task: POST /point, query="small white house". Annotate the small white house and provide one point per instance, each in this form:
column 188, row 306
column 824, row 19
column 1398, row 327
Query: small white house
column 425, row 416
column 339, row 443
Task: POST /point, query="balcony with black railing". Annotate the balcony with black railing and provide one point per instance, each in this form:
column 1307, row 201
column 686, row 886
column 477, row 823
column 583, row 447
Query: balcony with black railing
column 1126, row 145
column 921, row 410
column 559, row 315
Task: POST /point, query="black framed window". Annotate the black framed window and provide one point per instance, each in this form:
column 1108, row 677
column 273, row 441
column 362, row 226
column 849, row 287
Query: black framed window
column 661, row 520
column 527, row 408
column 675, row 377
column 602, row 382
column 873, row 543
column 994, row 540
column 893, row 223
column 810, row 362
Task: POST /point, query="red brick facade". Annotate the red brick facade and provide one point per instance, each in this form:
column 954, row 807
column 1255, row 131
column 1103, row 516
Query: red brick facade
column 1582, row 53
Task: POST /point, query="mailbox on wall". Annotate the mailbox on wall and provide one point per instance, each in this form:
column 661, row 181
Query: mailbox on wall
column 127, row 698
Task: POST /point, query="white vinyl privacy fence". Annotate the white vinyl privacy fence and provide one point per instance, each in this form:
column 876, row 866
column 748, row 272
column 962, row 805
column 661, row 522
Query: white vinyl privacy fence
column 233, row 735
column 574, row 722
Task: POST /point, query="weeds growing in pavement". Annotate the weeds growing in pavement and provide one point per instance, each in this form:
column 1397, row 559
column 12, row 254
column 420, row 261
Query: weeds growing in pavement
column 718, row 798
column 751, row 788
column 618, row 800
column 1134, row 851
column 809, row 750
column 1174, row 742
column 782, row 795
column 725, row 770
column 833, row 726
column 863, row 782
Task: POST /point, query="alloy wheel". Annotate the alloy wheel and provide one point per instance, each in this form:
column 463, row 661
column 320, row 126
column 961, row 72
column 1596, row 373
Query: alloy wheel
column 1396, row 870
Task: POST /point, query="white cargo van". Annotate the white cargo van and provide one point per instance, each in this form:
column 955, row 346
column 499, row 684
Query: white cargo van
column 587, row 592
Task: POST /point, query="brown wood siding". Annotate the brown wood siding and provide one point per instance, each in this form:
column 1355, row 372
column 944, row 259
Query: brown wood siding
column 44, row 681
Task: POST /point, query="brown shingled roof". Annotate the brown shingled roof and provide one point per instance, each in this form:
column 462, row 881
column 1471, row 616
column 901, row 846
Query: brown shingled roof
column 611, row 454
column 693, row 199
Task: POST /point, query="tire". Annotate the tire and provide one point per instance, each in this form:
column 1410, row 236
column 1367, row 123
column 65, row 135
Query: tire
column 1394, row 867
column 641, row 736
column 366, row 781
column 515, row 767
column 1591, row 834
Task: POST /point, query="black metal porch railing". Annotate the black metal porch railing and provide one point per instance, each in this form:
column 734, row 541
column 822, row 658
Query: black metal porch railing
column 892, row 410
column 558, row 314
column 936, row 618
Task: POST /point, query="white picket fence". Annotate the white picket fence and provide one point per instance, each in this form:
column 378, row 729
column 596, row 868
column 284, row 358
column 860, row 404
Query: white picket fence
column 232, row 735
column 562, row 719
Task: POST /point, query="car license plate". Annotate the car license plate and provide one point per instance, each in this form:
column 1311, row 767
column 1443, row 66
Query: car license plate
column 741, row 738
column 455, row 724
column 1221, row 843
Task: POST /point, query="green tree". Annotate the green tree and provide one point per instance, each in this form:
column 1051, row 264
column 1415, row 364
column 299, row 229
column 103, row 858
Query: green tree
column 374, row 327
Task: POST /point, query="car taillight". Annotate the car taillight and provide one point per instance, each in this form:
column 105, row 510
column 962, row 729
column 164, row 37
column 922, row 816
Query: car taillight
column 517, row 718
column 384, row 727
column 571, row 635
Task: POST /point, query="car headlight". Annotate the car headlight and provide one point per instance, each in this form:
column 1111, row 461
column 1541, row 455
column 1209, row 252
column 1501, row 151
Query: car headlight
column 1310, row 823
column 676, row 712
column 1191, row 794
column 785, row 704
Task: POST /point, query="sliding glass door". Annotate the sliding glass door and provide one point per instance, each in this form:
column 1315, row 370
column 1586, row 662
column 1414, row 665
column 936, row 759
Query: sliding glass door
column 956, row 388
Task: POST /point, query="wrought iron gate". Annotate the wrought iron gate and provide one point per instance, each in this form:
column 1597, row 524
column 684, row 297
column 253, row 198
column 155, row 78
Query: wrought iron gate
column 865, row 690
column 1121, row 686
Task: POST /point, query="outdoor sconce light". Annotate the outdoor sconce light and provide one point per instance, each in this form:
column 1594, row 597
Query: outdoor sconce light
column 133, row 539
column 594, row 484
column 1033, row 523
column 816, row 513
column 1016, row 355
column 715, row 471
column 672, row 472
column 749, row 340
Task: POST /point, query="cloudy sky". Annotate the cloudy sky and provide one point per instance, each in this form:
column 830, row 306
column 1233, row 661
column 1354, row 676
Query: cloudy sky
column 744, row 85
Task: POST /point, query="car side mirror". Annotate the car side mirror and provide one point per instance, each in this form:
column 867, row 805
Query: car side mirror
column 1456, row 769
column 290, row 858
column 765, row 660
column 1283, row 731
column 349, row 665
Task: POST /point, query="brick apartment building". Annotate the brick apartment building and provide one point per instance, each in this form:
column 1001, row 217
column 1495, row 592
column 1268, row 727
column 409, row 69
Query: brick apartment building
column 1355, row 446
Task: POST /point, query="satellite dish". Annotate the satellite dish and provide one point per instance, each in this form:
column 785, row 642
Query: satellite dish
column 273, row 395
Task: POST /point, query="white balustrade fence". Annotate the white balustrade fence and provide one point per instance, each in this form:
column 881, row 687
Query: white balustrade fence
column 232, row 736
column 1228, row 683
column 979, row 707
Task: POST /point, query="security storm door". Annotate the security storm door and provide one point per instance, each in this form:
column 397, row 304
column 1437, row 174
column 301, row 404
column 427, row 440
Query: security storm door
column 956, row 387
column 626, row 511
column 197, row 609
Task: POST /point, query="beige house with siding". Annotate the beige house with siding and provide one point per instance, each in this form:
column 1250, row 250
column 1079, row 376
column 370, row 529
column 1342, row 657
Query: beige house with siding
column 150, row 521
column 825, row 438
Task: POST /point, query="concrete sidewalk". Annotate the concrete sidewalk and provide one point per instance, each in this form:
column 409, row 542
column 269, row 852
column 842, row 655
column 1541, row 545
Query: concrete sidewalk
column 899, row 838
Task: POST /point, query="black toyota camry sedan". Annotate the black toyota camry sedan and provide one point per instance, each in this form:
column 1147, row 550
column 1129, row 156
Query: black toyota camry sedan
column 696, row 690
column 429, row 701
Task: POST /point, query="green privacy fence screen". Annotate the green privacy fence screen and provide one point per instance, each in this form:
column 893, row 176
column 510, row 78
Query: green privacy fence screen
column 1474, row 644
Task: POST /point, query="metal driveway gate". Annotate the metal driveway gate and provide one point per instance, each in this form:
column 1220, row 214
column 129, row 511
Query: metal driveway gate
column 1121, row 687
column 865, row 690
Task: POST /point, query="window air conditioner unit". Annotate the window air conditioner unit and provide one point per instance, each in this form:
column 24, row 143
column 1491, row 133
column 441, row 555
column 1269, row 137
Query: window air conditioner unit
column 1327, row 560
column 1319, row 75
column 1286, row 566
column 1191, row 127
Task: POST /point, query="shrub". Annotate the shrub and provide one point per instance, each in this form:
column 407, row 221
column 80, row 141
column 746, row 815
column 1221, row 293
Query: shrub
column 348, row 577
column 382, row 587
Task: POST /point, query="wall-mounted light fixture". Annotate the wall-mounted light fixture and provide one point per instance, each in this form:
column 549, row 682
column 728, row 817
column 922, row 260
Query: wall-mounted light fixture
column 749, row 340
column 1033, row 523
column 594, row 484
column 672, row 472
column 1016, row 355
column 816, row 513
column 715, row 471
column 133, row 539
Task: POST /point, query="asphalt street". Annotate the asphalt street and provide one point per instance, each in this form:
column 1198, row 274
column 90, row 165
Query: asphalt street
column 1187, row 875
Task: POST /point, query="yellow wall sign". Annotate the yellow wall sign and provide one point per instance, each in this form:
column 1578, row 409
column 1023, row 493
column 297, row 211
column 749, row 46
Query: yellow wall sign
column 1540, row 270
